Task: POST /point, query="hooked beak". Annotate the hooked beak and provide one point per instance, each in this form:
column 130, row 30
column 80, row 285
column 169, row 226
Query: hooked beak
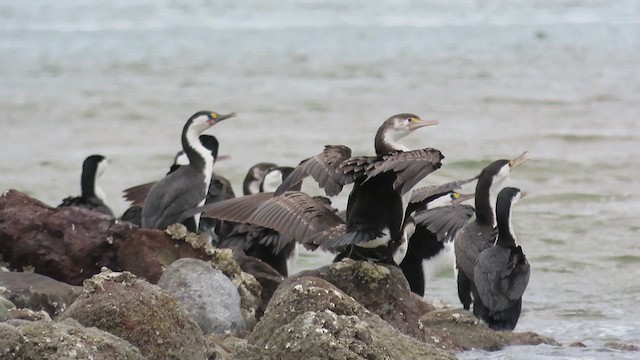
column 519, row 160
column 422, row 123
column 222, row 117
column 463, row 197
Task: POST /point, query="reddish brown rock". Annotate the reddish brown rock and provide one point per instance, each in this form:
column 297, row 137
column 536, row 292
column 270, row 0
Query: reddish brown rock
column 382, row 289
column 148, row 252
column 68, row 244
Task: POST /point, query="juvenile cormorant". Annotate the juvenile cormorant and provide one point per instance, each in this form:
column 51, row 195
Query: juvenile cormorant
column 92, row 197
column 501, row 272
column 480, row 233
column 186, row 187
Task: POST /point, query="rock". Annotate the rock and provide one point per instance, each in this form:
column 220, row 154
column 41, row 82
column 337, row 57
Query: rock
column 248, row 287
column 382, row 289
column 28, row 315
column 141, row 313
column 577, row 344
column 69, row 244
column 615, row 345
column 206, row 294
column 457, row 329
column 267, row 276
column 309, row 318
column 217, row 349
column 38, row 292
column 148, row 252
column 42, row 340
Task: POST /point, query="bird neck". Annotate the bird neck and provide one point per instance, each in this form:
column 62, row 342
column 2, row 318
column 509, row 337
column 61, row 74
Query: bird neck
column 199, row 156
column 88, row 184
column 506, row 237
column 485, row 213
column 386, row 141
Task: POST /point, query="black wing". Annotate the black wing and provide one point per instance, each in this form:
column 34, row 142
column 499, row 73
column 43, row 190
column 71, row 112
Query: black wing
column 410, row 167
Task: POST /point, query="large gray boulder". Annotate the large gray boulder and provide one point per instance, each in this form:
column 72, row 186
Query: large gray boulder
column 141, row 313
column 310, row 318
column 48, row 340
column 206, row 294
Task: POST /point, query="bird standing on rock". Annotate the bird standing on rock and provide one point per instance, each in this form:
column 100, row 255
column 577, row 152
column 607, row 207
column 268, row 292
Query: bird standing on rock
column 92, row 197
column 480, row 233
column 186, row 187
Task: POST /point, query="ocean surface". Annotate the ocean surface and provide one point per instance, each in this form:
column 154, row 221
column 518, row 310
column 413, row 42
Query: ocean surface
column 559, row 78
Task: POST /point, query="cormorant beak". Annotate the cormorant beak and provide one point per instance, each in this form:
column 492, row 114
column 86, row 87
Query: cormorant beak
column 219, row 118
column 523, row 194
column 519, row 160
column 462, row 198
column 418, row 123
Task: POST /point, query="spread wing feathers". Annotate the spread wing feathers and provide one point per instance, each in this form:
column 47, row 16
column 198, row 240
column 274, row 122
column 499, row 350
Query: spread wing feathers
column 137, row 194
column 499, row 279
column 431, row 191
column 235, row 209
column 410, row 166
column 445, row 221
column 296, row 215
column 324, row 168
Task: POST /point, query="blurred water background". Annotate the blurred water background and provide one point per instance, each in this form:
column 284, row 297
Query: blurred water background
column 560, row 78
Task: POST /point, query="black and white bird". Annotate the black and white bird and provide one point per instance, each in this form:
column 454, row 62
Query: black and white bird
column 92, row 196
column 438, row 214
column 219, row 188
column 375, row 214
column 186, row 187
column 501, row 272
column 480, row 233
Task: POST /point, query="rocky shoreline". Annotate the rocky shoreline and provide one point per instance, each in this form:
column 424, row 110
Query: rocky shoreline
column 148, row 294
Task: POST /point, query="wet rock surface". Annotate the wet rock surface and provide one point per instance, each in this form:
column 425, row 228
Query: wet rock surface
column 458, row 329
column 382, row 289
column 311, row 318
column 210, row 298
column 37, row 292
column 45, row 339
column 140, row 313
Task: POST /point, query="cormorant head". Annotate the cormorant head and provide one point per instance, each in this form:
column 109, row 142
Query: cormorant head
column 397, row 127
column 499, row 170
column 203, row 120
column 95, row 164
column 255, row 176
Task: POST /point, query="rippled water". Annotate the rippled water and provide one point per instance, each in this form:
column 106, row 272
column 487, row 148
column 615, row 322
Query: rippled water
column 558, row 78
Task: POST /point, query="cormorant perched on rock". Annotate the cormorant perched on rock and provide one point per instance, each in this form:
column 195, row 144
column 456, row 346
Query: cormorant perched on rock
column 480, row 233
column 186, row 187
column 375, row 216
column 501, row 272
column 92, row 197
column 219, row 188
